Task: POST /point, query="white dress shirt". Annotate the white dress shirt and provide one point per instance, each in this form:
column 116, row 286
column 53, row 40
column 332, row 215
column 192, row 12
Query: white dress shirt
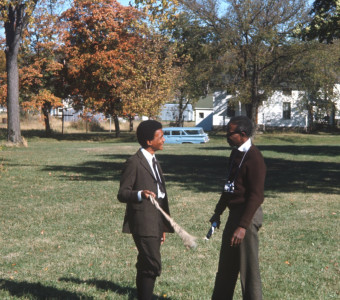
column 149, row 158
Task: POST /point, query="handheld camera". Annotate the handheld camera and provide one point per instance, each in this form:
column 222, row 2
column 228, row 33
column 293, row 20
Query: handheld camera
column 211, row 231
column 229, row 187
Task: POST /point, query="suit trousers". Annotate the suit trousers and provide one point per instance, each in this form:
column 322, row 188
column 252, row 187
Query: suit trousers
column 149, row 255
column 242, row 259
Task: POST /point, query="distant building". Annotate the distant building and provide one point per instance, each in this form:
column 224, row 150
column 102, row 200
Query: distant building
column 281, row 110
column 170, row 112
column 215, row 110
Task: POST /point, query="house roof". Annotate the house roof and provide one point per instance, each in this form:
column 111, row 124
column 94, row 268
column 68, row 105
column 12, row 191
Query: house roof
column 205, row 102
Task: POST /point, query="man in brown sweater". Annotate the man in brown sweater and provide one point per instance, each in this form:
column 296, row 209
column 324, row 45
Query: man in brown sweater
column 243, row 195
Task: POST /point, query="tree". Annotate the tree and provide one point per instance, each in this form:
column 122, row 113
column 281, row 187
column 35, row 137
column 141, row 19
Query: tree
column 15, row 14
column 325, row 24
column 40, row 70
column 115, row 63
column 153, row 75
column 194, row 44
column 3, row 79
column 99, row 39
column 316, row 73
column 195, row 49
column 253, row 38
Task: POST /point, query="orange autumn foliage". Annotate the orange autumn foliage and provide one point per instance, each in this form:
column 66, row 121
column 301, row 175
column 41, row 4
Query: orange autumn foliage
column 115, row 64
column 99, row 37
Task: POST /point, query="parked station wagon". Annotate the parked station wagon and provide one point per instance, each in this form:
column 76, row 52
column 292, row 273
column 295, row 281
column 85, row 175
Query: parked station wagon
column 185, row 135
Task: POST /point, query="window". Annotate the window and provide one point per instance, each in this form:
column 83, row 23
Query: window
column 166, row 132
column 286, row 110
column 201, row 115
column 230, row 110
column 176, row 132
column 192, row 131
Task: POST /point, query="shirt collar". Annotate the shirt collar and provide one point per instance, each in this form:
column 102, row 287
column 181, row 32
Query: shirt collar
column 147, row 155
column 245, row 146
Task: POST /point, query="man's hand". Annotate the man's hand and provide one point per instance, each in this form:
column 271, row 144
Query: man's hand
column 215, row 218
column 146, row 194
column 163, row 238
column 238, row 236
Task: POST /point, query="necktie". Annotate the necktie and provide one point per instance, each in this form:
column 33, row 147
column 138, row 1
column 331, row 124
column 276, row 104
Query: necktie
column 161, row 187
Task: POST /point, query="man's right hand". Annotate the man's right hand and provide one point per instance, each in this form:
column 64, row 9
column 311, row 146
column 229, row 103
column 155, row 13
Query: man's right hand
column 146, row 194
column 215, row 218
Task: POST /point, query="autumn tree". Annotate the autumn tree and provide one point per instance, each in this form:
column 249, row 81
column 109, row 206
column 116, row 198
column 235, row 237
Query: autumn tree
column 39, row 67
column 195, row 50
column 15, row 15
column 99, row 40
column 152, row 76
column 3, row 79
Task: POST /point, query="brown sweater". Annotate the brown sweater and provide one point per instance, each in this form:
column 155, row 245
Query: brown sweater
column 249, row 185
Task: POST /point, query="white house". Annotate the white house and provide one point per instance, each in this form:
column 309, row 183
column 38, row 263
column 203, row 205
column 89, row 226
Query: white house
column 216, row 111
column 281, row 110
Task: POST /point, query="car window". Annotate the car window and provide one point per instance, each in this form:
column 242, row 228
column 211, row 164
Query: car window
column 192, row 131
column 176, row 132
column 166, row 132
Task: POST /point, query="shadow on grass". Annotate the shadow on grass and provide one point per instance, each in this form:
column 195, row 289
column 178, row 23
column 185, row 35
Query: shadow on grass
column 203, row 173
column 303, row 150
column 207, row 173
column 37, row 291
column 82, row 136
column 108, row 286
column 90, row 170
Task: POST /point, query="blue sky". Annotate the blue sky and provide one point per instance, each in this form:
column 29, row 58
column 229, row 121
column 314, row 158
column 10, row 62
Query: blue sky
column 124, row 2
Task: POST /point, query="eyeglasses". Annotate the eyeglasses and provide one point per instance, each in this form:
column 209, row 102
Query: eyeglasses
column 229, row 134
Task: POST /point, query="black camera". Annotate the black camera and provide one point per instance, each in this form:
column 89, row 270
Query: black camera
column 229, row 187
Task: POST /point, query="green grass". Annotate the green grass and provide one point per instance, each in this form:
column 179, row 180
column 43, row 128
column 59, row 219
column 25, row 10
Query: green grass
column 61, row 221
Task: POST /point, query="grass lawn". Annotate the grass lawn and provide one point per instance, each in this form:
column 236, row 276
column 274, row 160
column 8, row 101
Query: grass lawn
column 61, row 221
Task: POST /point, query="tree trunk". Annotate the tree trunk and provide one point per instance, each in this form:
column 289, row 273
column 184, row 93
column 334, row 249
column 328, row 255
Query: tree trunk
column 310, row 121
column 131, row 118
column 13, row 110
column 117, row 127
column 46, row 109
column 16, row 21
column 181, row 108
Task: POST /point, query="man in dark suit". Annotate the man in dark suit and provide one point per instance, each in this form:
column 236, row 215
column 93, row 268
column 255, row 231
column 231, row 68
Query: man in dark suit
column 243, row 194
column 142, row 177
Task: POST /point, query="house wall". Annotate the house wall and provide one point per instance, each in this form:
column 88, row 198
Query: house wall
column 271, row 112
column 218, row 116
column 204, row 118
column 221, row 115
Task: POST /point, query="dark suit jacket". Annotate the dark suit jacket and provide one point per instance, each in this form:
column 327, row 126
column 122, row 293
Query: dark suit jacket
column 142, row 218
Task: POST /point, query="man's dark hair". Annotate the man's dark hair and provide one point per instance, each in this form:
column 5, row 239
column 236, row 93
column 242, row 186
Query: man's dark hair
column 146, row 131
column 243, row 124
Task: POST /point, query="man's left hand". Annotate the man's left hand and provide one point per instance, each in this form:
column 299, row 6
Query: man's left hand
column 238, row 236
column 163, row 238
